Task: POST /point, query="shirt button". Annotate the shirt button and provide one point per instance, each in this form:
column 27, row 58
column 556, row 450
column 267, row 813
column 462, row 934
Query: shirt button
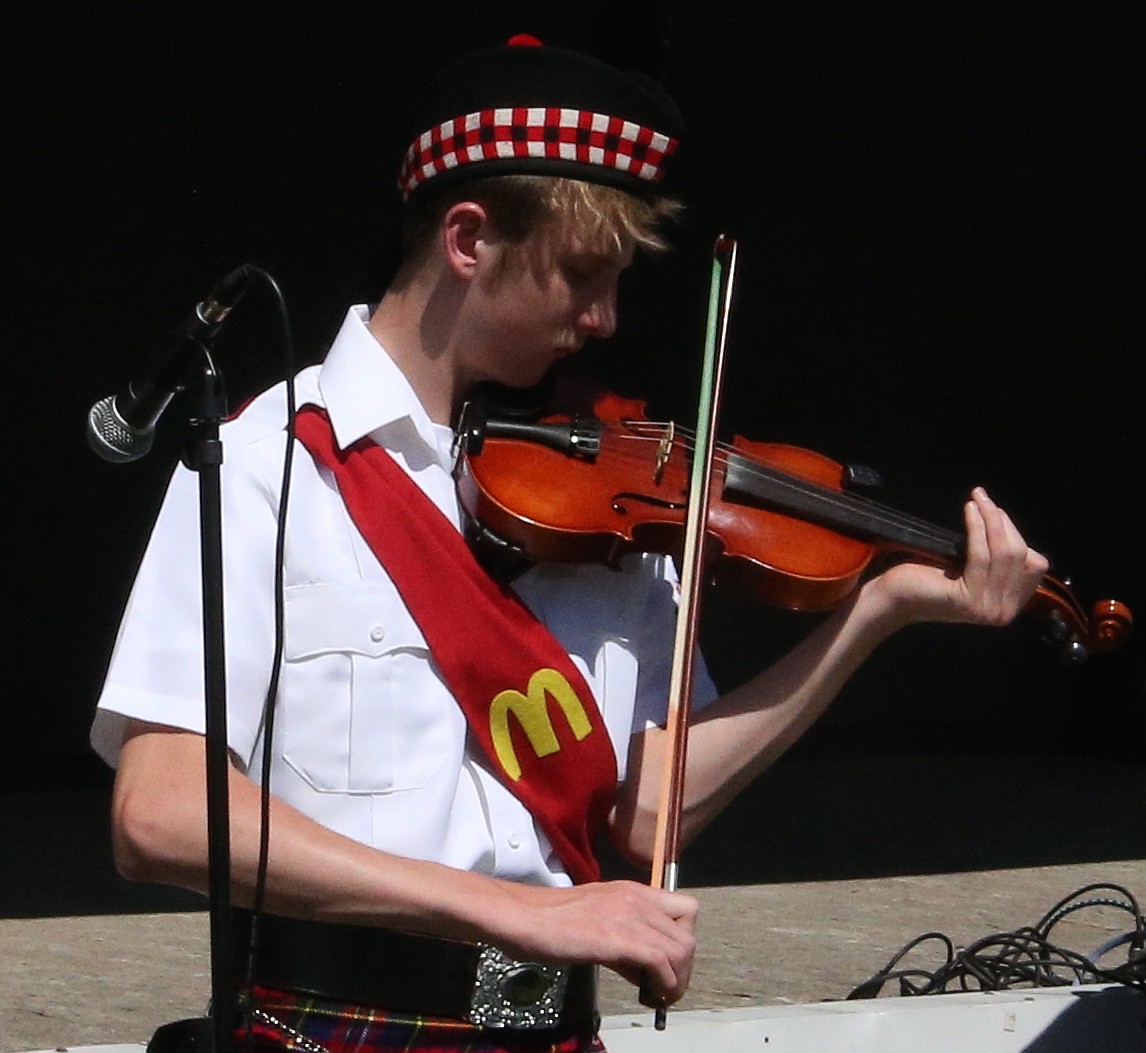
column 377, row 633
column 513, row 839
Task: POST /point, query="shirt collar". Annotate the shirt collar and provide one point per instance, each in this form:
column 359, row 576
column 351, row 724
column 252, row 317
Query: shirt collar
column 364, row 390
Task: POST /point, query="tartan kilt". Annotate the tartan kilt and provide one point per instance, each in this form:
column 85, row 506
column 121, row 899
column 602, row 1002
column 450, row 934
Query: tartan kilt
column 303, row 1023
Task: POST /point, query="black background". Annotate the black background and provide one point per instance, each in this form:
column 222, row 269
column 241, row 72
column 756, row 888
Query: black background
column 938, row 207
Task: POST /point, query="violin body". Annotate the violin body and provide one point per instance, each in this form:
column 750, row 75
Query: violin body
column 562, row 510
column 782, row 525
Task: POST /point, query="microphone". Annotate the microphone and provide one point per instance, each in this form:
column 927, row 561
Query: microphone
column 121, row 427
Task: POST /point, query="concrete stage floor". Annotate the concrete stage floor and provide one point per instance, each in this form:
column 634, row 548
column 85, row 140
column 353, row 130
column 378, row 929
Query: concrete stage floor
column 811, row 881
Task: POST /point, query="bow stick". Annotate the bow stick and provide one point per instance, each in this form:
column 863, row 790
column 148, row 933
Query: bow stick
column 666, row 843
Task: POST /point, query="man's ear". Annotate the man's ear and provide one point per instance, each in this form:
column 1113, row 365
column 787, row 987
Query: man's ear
column 465, row 236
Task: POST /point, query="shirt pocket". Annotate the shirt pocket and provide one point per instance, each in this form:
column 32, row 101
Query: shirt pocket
column 363, row 709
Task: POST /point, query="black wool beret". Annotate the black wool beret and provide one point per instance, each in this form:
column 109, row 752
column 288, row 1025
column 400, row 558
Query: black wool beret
column 526, row 108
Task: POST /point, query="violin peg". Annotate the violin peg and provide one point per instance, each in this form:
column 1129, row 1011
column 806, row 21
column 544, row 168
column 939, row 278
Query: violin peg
column 1057, row 631
column 1075, row 652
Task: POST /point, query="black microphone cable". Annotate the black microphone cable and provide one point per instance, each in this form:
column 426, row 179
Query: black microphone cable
column 269, row 702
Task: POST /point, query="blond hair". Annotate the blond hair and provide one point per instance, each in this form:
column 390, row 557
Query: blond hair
column 600, row 217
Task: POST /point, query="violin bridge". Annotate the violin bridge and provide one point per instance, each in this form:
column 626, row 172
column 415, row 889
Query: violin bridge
column 664, row 451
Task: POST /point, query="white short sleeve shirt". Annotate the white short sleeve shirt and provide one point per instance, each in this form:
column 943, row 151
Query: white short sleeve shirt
column 368, row 740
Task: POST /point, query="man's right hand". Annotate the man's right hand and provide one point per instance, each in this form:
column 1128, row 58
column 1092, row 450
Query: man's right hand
column 644, row 934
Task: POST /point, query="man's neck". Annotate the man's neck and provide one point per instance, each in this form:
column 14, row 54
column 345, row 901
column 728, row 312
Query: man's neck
column 415, row 333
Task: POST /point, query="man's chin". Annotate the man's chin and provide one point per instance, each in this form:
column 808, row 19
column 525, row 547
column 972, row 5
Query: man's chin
column 528, row 378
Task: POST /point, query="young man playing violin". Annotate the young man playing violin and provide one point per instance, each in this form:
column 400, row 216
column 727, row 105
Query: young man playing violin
column 446, row 749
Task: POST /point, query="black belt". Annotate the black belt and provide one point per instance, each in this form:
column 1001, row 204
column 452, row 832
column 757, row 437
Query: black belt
column 420, row 975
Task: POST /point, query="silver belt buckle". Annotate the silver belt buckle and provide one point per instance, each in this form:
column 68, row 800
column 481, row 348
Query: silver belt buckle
column 522, row 995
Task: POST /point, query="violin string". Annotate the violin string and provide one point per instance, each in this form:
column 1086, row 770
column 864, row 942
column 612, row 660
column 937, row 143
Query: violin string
column 807, row 486
column 1058, row 592
column 728, row 454
column 892, row 517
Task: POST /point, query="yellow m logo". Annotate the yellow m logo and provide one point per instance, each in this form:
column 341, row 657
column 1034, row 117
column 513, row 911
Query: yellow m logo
column 532, row 713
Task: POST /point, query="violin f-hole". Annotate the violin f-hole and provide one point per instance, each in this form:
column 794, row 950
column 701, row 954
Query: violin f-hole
column 618, row 500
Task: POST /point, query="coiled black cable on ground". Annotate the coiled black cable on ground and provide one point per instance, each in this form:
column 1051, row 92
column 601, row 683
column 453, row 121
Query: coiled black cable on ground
column 1026, row 957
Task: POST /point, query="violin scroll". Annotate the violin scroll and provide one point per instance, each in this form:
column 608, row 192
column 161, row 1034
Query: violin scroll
column 1107, row 627
column 1111, row 622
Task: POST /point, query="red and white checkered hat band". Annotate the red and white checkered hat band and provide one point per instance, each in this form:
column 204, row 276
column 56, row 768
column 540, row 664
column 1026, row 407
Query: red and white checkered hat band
column 536, row 132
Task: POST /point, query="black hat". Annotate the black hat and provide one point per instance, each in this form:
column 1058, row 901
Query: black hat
column 525, row 108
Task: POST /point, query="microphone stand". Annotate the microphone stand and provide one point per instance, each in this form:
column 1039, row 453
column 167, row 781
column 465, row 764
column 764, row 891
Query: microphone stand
column 123, row 433
column 204, row 455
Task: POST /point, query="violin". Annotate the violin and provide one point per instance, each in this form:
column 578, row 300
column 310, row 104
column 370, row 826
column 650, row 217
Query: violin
column 787, row 525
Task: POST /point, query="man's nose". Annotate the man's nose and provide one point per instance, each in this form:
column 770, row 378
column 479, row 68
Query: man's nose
column 599, row 318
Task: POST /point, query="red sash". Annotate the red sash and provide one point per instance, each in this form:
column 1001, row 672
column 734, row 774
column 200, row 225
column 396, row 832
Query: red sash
column 494, row 655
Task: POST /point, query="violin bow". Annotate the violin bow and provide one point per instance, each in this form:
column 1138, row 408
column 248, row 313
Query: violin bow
column 666, row 843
